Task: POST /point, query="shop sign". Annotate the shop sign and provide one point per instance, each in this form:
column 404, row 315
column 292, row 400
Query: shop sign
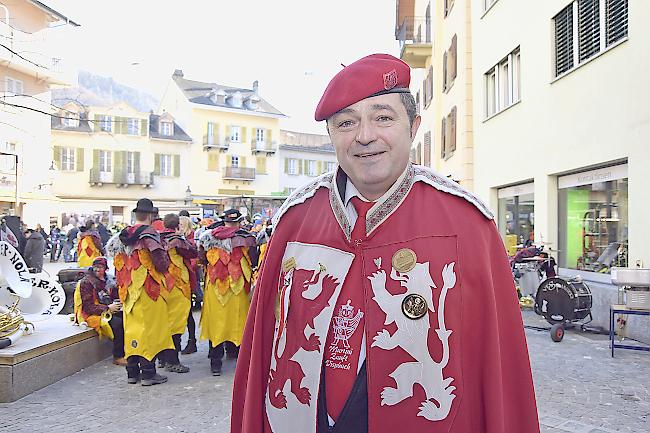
column 593, row 176
column 517, row 190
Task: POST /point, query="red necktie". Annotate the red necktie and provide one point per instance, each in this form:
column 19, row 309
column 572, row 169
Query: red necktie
column 362, row 208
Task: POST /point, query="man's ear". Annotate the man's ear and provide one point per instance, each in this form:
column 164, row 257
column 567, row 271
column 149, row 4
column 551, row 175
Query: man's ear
column 415, row 126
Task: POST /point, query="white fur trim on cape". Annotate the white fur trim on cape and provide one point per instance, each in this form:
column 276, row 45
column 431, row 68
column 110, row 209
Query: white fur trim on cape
column 114, row 246
column 207, row 242
column 441, row 183
column 303, row 193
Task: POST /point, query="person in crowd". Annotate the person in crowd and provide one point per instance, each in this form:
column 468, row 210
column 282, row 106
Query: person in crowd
column 34, row 250
column 178, row 294
column 373, row 320
column 55, row 250
column 224, row 251
column 89, row 245
column 157, row 223
column 97, row 303
column 104, row 234
column 68, row 248
column 141, row 262
column 185, row 227
column 41, row 230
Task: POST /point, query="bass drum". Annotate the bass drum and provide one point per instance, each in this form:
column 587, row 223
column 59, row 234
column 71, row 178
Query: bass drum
column 559, row 300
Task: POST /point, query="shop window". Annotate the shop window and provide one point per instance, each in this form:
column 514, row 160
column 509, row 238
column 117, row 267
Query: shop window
column 593, row 224
column 517, row 217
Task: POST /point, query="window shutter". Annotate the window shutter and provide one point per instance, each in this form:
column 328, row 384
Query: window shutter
column 144, row 127
column 57, row 156
column 243, row 131
column 444, row 71
column 454, row 57
column 443, row 137
column 79, row 160
column 299, row 165
column 96, row 125
column 261, row 164
column 136, row 164
column 430, row 83
column 564, row 40
column 286, row 165
column 96, row 159
column 229, row 161
column 269, row 137
column 616, row 20
column 319, row 167
column 242, row 161
column 177, row 165
column 120, row 162
column 156, row 164
column 452, row 130
column 213, row 161
column 215, row 133
column 588, row 28
column 427, row 149
column 228, row 132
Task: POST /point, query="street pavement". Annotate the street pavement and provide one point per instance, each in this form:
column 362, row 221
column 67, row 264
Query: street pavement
column 580, row 389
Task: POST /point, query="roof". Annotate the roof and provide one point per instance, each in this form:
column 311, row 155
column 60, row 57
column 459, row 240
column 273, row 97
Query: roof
column 57, row 124
column 154, row 132
column 53, row 12
column 325, row 148
column 198, row 92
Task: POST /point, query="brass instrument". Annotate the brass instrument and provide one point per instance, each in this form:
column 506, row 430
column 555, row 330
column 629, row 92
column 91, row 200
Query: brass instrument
column 107, row 316
column 12, row 321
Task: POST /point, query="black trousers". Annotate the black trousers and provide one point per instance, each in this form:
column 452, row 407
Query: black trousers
column 170, row 356
column 137, row 366
column 216, row 352
column 191, row 326
column 117, row 325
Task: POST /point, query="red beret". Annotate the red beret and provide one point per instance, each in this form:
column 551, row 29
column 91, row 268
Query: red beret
column 372, row 75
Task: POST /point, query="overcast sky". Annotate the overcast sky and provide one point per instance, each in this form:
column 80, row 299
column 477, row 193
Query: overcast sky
column 292, row 47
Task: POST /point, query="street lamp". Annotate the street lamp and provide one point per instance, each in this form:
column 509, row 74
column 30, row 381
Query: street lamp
column 188, row 196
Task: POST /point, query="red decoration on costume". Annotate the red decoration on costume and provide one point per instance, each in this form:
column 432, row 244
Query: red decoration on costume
column 359, row 80
column 151, row 287
column 133, row 261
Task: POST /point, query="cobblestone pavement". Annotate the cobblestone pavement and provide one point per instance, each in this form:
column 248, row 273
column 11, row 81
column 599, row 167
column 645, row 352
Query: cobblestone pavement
column 580, row 389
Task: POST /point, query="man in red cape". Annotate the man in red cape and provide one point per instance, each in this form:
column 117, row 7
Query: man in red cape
column 385, row 302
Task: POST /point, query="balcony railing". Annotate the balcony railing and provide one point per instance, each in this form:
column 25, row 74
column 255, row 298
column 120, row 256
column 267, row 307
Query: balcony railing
column 121, row 178
column 414, row 30
column 238, row 173
column 213, row 142
column 264, row 146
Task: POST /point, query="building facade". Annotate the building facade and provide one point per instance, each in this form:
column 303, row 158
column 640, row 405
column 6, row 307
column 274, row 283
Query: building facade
column 562, row 130
column 302, row 157
column 235, row 136
column 109, row 157
column 436, row 41
column 29, row 68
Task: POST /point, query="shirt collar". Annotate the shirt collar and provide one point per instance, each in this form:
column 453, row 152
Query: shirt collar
column 352, row 191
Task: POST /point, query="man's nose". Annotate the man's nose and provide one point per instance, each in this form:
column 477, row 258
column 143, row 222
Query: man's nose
column 366, row 133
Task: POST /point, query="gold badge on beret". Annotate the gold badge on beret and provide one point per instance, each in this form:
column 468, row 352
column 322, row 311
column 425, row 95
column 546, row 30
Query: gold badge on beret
column 414, row 306
column 404, row 260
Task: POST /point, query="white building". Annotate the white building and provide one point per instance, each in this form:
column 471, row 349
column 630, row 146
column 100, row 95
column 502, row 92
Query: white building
column 561, row 129
column 302, row 157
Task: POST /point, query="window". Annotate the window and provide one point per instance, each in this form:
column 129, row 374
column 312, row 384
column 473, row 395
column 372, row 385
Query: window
column 292, row 166
column 130, row 162
column 586, row 28
column 167, row 129
column 70, row 120
column 516, row 216
column 331, row 166
column 234, row 161
column 448, row 135
column 67, row 159
column 133, row 126
column 235, row 134
column 417, row 102
column 311, row 168
column 165, row 165
column 427, row 88
column 427, row 149
column 259, row 135
column 211, row 135
column 593, row 220
column 450, row 65
column 105, row 161
column 8, row 162
column 13, row 86
column 106, row 123
column 502, row 84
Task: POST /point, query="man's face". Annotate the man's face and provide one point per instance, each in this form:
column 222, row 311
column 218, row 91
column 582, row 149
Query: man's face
column 372, row 139
column 100, row 271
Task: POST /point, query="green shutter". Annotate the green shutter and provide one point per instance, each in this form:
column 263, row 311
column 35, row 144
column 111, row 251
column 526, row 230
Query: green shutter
column 118, row 166
column 57, row 156
column 177, row 165
column 215, row 133
column 144, row 127
column 286, row 165
column 319, row 167
column 242, row 161
column 96, row 159
column 80, row 159
column 213, row 161
column 228, row 132
column 268, row 138
column 299, row 163
column 156, row 164
column 96, row 126
column 136, row 164
column 116, row 125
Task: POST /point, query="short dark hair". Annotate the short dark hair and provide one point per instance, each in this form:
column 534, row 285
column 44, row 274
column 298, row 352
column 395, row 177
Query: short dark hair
column 184, row 213
column 171, row 221
column 142, row 216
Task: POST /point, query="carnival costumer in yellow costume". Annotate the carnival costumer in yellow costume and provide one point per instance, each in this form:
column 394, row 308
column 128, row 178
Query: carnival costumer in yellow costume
column 89, row 246
column 140, row 264
column 225, row 253
column 179, row 280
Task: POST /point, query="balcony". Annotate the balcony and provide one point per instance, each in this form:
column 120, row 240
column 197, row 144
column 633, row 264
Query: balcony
column 268, row 147
column 414, row 36
column 238, row 173
column 30, row 53
column 212, row 142
column 120, row 178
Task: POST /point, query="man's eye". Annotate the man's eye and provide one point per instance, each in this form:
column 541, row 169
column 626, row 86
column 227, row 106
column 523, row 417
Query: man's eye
column 345, row 124
column 384, row 118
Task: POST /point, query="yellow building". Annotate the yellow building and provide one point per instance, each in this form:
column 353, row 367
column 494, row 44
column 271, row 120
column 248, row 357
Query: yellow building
column 435, row 40
column 29, row 67
column 235, row 133
column 109, row 157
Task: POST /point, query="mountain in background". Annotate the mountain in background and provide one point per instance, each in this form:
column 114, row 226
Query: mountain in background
column 96, row 90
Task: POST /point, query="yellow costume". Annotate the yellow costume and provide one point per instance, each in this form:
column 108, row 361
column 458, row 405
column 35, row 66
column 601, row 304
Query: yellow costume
column 179, row 280
column 88, row 249
column 97, row 322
